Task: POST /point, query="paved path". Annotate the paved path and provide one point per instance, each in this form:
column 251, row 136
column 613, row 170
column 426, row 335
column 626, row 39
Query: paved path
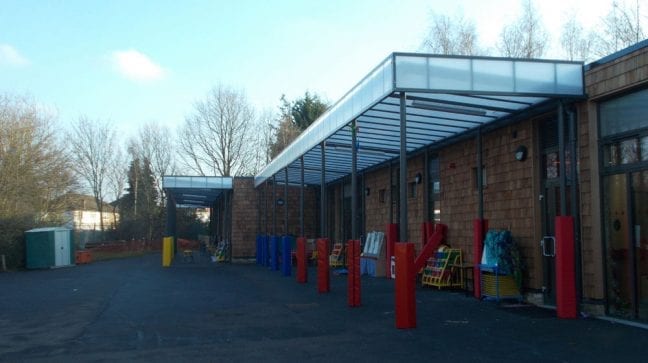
column 134, row 310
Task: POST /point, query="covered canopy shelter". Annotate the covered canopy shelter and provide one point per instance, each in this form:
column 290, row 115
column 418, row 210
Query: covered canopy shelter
column 196, row 192
column 411, row 101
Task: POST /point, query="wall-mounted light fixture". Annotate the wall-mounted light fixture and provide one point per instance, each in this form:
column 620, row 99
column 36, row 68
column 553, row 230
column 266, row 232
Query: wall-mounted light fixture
column 280, row 202
column 521, row 153
column 367, row 191
column 418, row 178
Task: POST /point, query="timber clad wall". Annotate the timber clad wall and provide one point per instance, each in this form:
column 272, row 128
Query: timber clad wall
column 243, row 218
column 621, row 74
column 377, row 210
column 415, row 211
column 509, row 197
column 508, row 193
column 459, row 194
column 311, row 210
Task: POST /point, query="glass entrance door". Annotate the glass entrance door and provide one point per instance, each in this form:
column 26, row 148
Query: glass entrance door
column 626, row 233
column 550, row 202
column 640, row 239
column 550, row 209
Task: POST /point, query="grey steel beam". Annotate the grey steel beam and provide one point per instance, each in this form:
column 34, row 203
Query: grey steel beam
column 391, row 192
column 403, row 169
column 323, row 190
column 561, row 158
column 265, row 208
column 480, row 175
column 285, row 205
column 274, row 205
column 573, row 141
column 301, row 198
column 354, row 186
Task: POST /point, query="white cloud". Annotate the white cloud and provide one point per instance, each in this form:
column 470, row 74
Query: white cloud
column 10, row 56
column 137, row 66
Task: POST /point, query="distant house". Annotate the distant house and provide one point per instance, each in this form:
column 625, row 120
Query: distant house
column 202, row 214
column 81, row 213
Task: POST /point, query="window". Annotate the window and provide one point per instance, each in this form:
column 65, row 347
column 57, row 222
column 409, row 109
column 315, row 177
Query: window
column 434, row 189
column 624, row 114
column 381, row 196
column 412, row 190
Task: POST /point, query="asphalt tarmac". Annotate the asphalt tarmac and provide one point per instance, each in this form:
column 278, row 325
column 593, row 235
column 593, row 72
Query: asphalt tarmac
column 135, row 310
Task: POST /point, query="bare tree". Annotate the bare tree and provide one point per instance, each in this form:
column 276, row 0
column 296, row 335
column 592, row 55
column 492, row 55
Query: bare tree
column 576, row 42
column 451, row 36
column 526, row 37
column 216, row 138
column 621, row 27
column 155, row 144
column 117, row 179
column 92, row 146
column 34, row 171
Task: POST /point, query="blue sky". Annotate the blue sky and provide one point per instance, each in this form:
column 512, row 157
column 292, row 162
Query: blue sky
column 138, row 61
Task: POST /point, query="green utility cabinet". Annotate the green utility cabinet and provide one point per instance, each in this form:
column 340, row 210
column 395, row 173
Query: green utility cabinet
column 49, row 247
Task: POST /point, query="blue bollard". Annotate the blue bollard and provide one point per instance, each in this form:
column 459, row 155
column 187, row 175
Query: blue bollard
column 266, row 251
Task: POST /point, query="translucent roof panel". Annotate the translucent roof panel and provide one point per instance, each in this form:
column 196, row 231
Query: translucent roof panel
column 488, row 75
column 196, row 191
column 445, row 97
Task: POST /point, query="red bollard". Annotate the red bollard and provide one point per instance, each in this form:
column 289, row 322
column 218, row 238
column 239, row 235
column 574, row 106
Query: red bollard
column 302, row 271
column 479, row 232
column 323, row 278
column 429, row 231
column 353, row 277
column 566, row 304
column 405, row 284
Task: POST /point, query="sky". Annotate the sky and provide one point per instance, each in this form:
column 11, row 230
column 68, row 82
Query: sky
column 133, row 62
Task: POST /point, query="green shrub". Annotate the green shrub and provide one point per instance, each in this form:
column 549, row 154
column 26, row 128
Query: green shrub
column 12, row 240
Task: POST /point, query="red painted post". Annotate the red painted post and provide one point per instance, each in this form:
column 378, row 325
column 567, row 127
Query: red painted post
column 429, row 230
column 302, row 272
column 353, row 277
column 356, row 266
column 323, row 278
column 480, row 226
column 391, row 236
column 424, row 236
column 405, row 284
column 566, row 304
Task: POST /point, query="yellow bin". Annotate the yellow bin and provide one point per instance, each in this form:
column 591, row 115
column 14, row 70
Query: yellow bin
column 167, row 248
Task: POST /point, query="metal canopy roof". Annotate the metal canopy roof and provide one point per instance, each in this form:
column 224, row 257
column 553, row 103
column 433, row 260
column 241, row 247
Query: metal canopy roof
column 196, row 191
column 446, row 96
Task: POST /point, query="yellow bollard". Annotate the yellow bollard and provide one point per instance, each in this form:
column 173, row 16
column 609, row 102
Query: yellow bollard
column 167, row 244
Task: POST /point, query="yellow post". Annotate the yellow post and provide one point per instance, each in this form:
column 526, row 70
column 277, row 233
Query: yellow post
column 167, row 244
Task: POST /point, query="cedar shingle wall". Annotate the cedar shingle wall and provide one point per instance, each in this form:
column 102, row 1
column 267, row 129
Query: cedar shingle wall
column 245, row 218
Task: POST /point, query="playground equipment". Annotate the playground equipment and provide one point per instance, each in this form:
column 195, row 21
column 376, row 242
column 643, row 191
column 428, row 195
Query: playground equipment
column 336, row 258
column 444, row 269
column 374, row 251
column 221, row 251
